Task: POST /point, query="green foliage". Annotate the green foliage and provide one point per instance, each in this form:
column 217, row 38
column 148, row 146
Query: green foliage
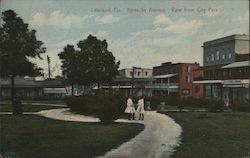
column 17, row 43
column 107, row 106
column 17, row 107
column 181, row 103
column 154, row 101
column 240, row 106
column 70, row 64
column 214, row 106
column 91, row 63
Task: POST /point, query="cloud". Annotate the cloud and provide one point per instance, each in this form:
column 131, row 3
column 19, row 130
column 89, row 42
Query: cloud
column 56, row 18
column 148, row 51
column 182, row 25
column 107, row 19
column 164, row 24
column 244, row 17
column 158, row 42
column 162, row 20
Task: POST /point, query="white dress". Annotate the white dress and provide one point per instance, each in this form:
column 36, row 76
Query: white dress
column 130, row 106
column 140, row 108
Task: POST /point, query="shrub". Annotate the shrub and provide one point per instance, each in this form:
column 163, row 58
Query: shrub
column 214, row 106
column 154, row 101
column 17, row 107
column 106, row 105
column 108, row 113
column 240, row 106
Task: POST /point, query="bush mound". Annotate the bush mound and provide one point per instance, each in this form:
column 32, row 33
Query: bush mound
column 105, row 105
column 210, row 105
column 240, row 106
column 214, row 106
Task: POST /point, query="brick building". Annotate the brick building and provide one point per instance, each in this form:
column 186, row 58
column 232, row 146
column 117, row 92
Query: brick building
column 177, row 80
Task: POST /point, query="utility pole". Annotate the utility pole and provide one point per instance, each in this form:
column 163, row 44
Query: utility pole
column 133, row 79
column 48, row 60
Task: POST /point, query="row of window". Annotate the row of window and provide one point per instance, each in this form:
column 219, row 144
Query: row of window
column 231, row 73
column 165, row 70
column 218, row 56
column 137, row 73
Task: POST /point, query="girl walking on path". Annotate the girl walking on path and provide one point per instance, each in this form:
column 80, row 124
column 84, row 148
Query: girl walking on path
column 140, row 109
column 130, row 109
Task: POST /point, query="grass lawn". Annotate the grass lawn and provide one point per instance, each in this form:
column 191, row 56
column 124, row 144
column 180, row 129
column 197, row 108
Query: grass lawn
column 26, row 108
column 213, row 135
column 30, row 136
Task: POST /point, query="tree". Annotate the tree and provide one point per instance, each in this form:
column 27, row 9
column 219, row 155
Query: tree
column 70, row 65
column 17, row 44
column 92, row 63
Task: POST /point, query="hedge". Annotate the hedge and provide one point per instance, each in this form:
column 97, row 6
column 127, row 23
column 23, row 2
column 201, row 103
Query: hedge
column 106, row 105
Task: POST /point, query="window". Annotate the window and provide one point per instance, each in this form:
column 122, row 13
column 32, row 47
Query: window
column 240, row 72
column 207, row 59
column 212, row 57
column 138, row 73
column 131, row 73
column 187, row 68
column 218, row 55
column 146, row 73
column 229, row 56
column 224, row 74
column 223, row 56
column 187, row 78
column 229, row 73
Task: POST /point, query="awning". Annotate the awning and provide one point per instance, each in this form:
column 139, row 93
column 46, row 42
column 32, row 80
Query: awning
column 165, row 76
column 116, row 87
column 237, row 64
column 235, row 82
column 209, row 81
column 54, row 90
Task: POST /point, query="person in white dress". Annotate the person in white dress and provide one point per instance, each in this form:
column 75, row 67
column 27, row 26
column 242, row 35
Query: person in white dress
column 130, row 109
column 140, row 109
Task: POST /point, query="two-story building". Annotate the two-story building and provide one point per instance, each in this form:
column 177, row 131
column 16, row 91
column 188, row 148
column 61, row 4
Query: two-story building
column 132, row 81
column 176, row 80
column 226, row 68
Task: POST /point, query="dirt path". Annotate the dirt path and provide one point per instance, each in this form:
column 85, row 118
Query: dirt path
column 159, row 139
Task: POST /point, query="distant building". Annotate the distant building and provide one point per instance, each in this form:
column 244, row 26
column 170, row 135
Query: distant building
column 31, row 88
column 226, row 68
column 176, row 80
column 132, row 81
column 225, row 50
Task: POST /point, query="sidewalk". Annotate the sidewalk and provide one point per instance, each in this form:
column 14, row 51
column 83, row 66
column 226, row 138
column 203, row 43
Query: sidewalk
column 159, row 139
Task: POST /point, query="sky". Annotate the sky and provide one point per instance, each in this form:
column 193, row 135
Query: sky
column 140, row 33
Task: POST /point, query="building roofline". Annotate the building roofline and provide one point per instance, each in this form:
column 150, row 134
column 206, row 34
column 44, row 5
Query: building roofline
column 227, row 38
column 136, row 68
column 170, row 63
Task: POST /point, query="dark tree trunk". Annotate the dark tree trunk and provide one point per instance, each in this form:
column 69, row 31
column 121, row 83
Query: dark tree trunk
column 72, row 89
column 13, row 89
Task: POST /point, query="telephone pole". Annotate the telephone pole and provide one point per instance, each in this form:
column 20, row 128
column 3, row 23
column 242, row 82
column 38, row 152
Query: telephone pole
column 48, row 60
